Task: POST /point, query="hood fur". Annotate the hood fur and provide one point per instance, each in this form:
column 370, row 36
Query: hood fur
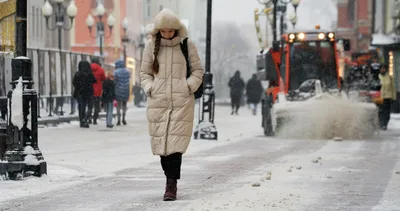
column 167, row 19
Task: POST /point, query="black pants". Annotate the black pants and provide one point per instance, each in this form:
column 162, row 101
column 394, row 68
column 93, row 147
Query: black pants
column 94, row 102
column 384, row 112
column 171, row 165
column 235, row 102
column 82, row 103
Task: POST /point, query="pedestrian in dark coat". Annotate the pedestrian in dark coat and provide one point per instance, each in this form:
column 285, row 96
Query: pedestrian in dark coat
column 254, row 90
column 236, row 84
column 108, row 98
column 122, row 85
column 83, row 89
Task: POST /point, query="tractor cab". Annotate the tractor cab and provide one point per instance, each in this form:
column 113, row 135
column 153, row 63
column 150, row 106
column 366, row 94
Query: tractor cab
column 300, row 59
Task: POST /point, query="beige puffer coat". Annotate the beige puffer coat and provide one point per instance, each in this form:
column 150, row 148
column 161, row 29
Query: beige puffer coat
column 388, row 89
column 170, row 103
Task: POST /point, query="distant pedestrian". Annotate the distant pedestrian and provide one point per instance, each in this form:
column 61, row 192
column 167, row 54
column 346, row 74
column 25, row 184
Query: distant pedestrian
column 254, row 90
column 170, row 107
column 138, row 93
column 100, row 76
column 122, row 83
column 375, row 68
column 236, row 84
column 108, row 98
column 388, row 94
column 83, row 90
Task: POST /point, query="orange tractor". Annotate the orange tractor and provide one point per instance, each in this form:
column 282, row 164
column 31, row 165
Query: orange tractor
column 300, row 68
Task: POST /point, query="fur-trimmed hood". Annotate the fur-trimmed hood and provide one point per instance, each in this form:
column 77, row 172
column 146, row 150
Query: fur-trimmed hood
column 167, row 19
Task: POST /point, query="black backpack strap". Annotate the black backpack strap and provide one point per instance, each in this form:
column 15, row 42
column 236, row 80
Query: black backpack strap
column 185, row 52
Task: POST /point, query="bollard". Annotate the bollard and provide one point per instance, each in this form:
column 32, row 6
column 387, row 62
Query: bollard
column 22, row 156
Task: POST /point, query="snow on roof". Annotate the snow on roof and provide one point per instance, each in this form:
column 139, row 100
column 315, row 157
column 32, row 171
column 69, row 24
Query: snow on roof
column 382, row 39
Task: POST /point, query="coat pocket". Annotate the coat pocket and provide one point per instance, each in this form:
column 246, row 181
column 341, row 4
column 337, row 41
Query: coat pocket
column 186, row 91
column 152, row 90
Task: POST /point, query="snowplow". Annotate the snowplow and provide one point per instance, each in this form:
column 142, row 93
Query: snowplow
column 304, row 97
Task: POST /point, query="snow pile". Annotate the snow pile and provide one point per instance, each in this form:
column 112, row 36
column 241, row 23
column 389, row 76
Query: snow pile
column 30, row 158
column 17, row 117
column 329, row 118
column 29, row 150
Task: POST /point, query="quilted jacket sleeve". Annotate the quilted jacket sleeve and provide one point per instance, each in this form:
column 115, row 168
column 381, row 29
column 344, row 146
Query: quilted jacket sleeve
column 197, row 72
column 146, row 70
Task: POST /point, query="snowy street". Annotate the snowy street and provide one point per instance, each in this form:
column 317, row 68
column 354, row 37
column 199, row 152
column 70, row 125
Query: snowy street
column 113, row 169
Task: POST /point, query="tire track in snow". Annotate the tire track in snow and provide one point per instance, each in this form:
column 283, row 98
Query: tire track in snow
column 362, row 185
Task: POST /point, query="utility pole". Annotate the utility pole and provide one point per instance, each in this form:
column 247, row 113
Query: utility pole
column 206, row 128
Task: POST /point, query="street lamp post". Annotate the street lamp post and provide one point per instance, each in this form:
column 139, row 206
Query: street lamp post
column 59, row 24
column 276, row 8
column 206, row 128
column 125, row 39
column 22, row 156
column 139, row 95
column 142, row 41
column 100, row 13
column 293, row 19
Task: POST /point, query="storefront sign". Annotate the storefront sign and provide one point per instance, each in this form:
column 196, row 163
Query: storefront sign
column 7, row 25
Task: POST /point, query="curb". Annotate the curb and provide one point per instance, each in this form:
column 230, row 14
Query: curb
column 63, row 119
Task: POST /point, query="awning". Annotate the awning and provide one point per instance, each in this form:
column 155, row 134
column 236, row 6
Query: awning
column 384, row 39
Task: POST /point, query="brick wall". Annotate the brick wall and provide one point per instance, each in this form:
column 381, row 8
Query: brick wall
column 355, row 25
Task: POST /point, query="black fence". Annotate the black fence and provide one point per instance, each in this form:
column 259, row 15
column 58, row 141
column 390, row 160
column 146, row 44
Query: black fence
column 53, row 72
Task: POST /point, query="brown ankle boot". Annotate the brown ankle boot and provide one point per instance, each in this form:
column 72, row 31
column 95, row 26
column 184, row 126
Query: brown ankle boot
column 170, row 190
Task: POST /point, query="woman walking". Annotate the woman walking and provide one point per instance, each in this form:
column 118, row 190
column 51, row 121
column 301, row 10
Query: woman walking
column 108, row 98
column 170, row 109
column 83, row 90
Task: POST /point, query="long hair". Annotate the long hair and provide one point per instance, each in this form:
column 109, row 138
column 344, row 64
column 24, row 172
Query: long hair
column 156, row 65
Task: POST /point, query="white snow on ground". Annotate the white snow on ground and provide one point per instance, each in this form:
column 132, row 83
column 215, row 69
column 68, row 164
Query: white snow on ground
column 391, row 196
column 292, row 189
column 76, row 155
column 394, row 122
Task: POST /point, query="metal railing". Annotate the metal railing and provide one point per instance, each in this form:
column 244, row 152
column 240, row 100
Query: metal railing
column 53, row 72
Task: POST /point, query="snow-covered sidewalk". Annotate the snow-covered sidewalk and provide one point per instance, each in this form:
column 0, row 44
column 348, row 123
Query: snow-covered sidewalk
column 340, row 175
column 76, row 155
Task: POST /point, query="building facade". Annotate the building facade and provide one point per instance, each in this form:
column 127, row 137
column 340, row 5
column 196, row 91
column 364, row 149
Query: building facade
column 152, row 7
column 194, row 13
column 50, row 36
column 386, row 39
column 355, row 23
column 84, row 41
column 38, row 35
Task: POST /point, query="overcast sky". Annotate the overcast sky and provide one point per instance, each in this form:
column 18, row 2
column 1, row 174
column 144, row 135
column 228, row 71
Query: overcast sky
column 310, row 12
